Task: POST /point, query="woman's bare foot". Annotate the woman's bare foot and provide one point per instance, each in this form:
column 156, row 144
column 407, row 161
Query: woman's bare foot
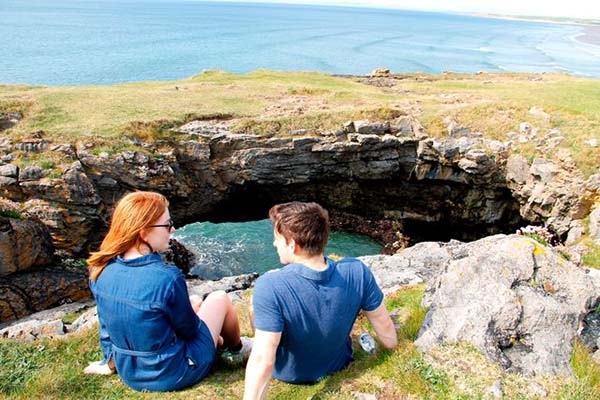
column 100, row 368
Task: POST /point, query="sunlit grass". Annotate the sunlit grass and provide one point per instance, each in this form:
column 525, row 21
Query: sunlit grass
column 51, row 369
column 274, row 103
column 591, row 258
column 71, row 112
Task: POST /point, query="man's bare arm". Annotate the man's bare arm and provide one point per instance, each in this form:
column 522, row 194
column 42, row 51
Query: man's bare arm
column 260, row 364
column 384, row 326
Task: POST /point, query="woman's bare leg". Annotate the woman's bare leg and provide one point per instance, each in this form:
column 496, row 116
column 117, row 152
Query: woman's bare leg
column 219, row 314
column 196, row 302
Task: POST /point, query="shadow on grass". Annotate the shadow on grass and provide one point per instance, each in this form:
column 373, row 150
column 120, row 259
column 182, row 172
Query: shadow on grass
column 333, row 384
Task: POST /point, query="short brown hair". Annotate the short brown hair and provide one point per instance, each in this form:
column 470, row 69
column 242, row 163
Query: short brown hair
column 306, row 223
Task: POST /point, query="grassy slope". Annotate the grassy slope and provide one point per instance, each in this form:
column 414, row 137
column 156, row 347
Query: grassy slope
column 265, row 101
column 105, row 110
column 491, row 103
column 52, row 369
column 276, row 103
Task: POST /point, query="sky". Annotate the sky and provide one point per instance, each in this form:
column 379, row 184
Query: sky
column 588, row 9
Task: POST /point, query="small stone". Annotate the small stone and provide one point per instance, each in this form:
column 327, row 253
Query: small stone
column 576, row 232
column 495, row 391
column 456, row 130
column 349, row 127
column 9, row 119
column 524, row 128
column 538, row 112
column 9, row 170
column 537, row 390
column 380, row 72
column 31, row 173
column 364, row 396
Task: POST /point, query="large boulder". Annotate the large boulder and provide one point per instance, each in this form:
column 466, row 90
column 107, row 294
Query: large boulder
column 517, row 301
column 25, row 293
column 9, row 119
column 595, row 224
column 52, row 323
column 549, row 192
column 412, row 266
column 24, row 244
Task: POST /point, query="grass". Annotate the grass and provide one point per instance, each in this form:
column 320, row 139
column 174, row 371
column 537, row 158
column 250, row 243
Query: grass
column 587, row 371
column 73, row 112
column 591, row 257
column 10, row 209
column 51, row 369
column 277, row 103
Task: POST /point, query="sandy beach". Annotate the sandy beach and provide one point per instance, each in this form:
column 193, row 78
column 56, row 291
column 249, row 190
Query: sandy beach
column 590, row 35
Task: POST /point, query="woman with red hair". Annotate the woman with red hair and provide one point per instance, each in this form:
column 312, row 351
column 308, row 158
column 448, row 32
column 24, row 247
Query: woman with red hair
column 152, row 333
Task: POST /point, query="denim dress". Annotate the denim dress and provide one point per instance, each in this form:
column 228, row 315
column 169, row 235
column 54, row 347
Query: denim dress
column 148, row 326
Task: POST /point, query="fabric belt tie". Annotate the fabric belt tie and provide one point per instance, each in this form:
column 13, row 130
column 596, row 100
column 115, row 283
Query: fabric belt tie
column 136, row 353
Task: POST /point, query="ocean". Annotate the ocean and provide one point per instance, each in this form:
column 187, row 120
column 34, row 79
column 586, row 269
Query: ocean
column 234, row 248
column 83, row 42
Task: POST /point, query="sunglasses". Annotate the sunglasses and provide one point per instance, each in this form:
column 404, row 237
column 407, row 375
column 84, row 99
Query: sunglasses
column 169, row 225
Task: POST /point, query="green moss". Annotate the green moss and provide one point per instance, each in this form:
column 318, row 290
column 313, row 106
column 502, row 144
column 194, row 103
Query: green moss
column 587, row 372
column 591, row 257
column 11, row 214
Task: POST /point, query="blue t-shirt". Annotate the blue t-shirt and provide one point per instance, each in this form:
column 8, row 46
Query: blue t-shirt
column 315, row 311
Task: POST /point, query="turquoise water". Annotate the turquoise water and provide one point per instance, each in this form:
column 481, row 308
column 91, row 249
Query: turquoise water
column 80, row 42
column 234, row 248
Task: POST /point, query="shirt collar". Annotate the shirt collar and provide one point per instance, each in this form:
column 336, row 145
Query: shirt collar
column 142, row 261
column 312, row 274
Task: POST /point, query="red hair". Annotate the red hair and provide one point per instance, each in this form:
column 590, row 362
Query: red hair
column 133, row 213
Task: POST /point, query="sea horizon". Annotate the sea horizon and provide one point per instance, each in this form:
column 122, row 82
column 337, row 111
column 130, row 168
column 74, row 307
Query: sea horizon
column 92, row 42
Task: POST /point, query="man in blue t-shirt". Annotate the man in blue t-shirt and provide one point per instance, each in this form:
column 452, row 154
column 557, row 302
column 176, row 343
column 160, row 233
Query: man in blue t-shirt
column 304, row 312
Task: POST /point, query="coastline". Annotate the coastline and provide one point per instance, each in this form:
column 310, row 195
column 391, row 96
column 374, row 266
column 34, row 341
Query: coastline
column 589, row 35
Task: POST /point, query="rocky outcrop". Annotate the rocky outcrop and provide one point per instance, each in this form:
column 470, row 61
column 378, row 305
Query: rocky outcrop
column 180, row 256
column 24, row 244
column 595, row 223
column 463, row 187
column 549, row 193
column 25, row 293
column 412, row 188
column 412, row 266
column 9, row 119
column 61, row 281
column 55, row 322
column 520, row 303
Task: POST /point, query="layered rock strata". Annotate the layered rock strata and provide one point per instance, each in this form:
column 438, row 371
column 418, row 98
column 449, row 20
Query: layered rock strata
column 462, row 187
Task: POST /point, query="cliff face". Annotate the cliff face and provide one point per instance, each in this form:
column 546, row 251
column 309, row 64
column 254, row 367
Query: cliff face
column 376, row 179
column 462, row 187
column 23, row 244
